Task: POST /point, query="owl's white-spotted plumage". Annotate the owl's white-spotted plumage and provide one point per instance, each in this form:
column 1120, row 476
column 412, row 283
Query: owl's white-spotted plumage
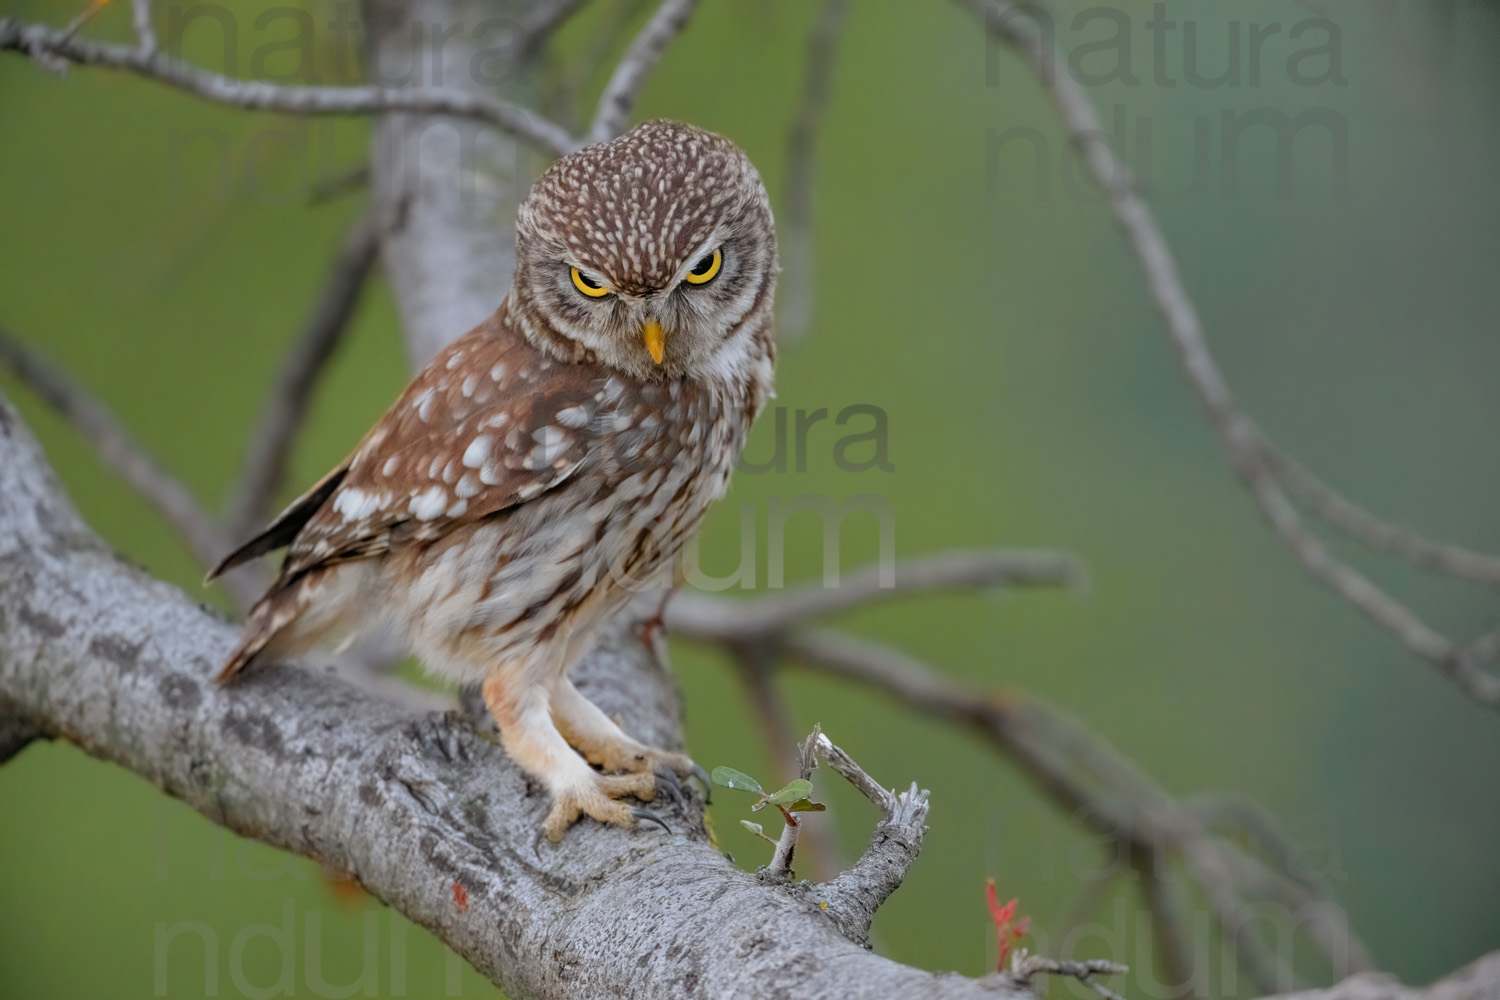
column 549, row 464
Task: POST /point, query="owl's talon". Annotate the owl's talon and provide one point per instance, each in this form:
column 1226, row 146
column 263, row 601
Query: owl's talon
column 647, row 816
column 668, row 784
column 568, row 807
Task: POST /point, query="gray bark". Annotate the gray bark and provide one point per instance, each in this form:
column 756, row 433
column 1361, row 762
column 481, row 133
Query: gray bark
column 447, row 187
column 94, row 651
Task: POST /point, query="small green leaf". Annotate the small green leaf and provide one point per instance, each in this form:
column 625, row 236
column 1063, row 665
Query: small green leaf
column 798, row 788
column 756, row 829
column 806, row 806
column 730, row 778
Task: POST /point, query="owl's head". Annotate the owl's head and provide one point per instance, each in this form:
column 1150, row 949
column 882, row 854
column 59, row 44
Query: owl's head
column 655, row 252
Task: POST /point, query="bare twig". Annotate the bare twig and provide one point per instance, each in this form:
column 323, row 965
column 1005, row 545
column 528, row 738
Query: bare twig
column 271, row 442
column 145, row 34
column 1169, row 925
column 83, row 17
column 852, row 897
column 757, row 667
column 540, row 23
column 836, row 758
column 39, row 41
column 1091, row 782
column 1359, row 523
column 766, row 618
column 1023, row 967
column 794, row 297
column 630, row 74
column 1004, row 21
column 780, row 868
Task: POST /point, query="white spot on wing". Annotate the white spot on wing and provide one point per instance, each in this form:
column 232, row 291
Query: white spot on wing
column 573, row 416
column 355, row 504
column 478, row 451
column 423, row 403
column 429, row 503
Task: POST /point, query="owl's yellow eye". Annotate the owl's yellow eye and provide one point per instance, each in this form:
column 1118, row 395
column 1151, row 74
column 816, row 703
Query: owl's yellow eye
column 706, row 269
column 587, row 286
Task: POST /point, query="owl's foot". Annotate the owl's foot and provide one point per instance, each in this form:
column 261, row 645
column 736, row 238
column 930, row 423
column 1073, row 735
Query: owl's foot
column 602, row 742
column 598, row 798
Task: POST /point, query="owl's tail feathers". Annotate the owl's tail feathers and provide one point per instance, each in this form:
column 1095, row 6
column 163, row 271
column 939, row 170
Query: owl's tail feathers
column 280, row 532
column 271, row 614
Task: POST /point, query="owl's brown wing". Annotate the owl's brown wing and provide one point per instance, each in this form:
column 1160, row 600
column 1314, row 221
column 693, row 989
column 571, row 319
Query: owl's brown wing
column 490, row 423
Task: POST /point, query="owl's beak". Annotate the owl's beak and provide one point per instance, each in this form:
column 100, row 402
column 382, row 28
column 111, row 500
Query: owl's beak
column 655, row 338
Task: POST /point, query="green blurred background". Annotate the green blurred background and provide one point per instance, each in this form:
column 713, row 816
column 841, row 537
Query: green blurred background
column 992, row 311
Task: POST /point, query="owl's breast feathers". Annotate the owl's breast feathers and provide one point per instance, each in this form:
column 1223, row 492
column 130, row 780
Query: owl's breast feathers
column 491, row 423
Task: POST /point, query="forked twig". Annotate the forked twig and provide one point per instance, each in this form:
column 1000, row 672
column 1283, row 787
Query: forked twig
column 1024, row 966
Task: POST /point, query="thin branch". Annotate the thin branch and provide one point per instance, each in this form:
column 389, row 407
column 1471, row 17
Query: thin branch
column 41, row 42
column 1359, row 523
column 1004, row 21
column 1169, row 925
column 852, row 897
column 1265, row 838
column 271, row 442
column 145, row 34
column 630, row 74
column 763, row 618
column 1086, row 779
column 794, row 297
column 119, row 451
column 780, row 868
column 540, row 23
column 1023, row 967
column 83, row 17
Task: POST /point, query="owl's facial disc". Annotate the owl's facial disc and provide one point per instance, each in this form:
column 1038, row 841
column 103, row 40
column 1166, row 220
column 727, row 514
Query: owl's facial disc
column 655, row 253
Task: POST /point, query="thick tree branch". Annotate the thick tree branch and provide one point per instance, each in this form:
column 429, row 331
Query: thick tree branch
column 1246, row 447
column 1476, row 980
column 448, row 187
column 95, row 652
column 53, row 47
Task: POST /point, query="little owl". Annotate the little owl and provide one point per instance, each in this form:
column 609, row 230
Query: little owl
column 554, row 459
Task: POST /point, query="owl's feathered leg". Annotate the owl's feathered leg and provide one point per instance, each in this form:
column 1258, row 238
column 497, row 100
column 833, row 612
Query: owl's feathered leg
column 585, row 726
column 528, row 734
